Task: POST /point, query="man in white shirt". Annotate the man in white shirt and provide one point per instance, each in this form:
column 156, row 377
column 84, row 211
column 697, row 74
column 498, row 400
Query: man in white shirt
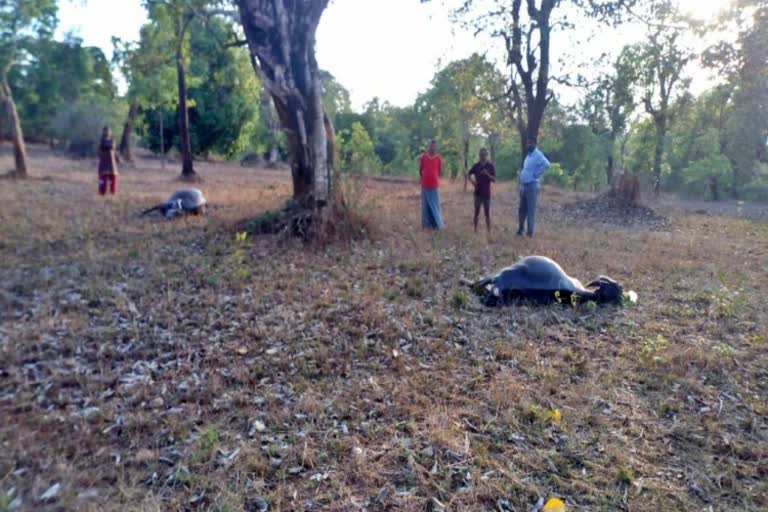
column 533, row 167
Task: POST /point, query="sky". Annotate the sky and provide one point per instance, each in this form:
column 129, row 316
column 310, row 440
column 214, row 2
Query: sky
column 386, row 49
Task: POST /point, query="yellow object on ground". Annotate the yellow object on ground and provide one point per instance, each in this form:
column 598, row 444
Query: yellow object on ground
column 554, row 505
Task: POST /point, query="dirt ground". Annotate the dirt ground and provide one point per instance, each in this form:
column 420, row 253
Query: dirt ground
column 152, row 365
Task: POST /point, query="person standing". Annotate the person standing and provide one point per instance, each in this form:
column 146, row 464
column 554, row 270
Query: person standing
column 482, row 174
column 107, row 163
column 430, row 169
column 533, row 167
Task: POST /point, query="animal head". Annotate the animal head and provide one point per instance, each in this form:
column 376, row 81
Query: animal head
column 608, row 291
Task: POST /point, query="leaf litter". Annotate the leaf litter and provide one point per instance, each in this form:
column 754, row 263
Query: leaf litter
column 153, row 370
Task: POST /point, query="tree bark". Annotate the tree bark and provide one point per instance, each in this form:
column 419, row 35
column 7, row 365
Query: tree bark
column 162, row 140
column 17, row 135
column 493, row 146
column 187, row 168
column 623, row 155
column 714, row 189
column 609, row 168
column 526, row 58
column 130, row 123
column 281, row 39
column 465, row 151
column 658, row 152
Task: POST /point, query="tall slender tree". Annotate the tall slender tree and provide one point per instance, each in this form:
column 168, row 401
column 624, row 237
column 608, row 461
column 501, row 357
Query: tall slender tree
column 609, row 103
column 526, row 28
column 745, row 66
column 179, row 16
column 20, row 21
column 661, row 62
column 457, row 101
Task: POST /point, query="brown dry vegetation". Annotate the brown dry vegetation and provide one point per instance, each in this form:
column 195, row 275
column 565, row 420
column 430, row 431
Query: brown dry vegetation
column 152, row 365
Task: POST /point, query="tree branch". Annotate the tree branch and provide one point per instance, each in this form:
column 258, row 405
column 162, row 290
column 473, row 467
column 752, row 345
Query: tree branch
column 236, row 44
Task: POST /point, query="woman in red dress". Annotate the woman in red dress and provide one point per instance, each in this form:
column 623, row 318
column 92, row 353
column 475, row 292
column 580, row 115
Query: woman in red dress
column 107, row 163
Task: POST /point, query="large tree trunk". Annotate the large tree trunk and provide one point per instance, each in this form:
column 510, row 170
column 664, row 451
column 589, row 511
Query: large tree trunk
column 187, row 169
column 522, row 56
column 281, row 38
column 17, row 135
column 130, row 123
column 658, row 152
column 522, row 131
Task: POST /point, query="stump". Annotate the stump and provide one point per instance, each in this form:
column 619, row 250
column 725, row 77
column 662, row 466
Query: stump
column 626, row 188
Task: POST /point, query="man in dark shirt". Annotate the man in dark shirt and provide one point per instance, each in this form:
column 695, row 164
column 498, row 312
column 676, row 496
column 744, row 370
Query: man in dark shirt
column 482, row 174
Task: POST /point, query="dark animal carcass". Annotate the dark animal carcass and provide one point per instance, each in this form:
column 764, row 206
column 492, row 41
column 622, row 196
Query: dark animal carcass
column 541, row 280
column 181, row 202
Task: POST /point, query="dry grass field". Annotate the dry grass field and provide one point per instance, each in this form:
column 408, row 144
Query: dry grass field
column 152, row 365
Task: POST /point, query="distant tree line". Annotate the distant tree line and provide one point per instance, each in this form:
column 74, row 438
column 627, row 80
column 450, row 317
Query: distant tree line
column 191, row 88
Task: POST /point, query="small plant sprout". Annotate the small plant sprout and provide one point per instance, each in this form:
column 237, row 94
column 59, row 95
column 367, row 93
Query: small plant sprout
column 652, row 349
column 554, row 415
column 459, row 299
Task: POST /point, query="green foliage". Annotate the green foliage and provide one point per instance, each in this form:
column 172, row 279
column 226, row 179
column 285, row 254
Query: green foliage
column 459, row 299
column 357, row 151
column 707, row 176
column 714, row 143
column 652, row 350
column 223, row 95
column 582, row 155
column 414, row 287
column 48, row 75
column 557, row 176
column 148, row 66
column 508, row 159
column 57, row 75
column 460, row 106
column 78, row 125
column 640, row 143
column 335, row 96
column 624, row 475
column 398, row 134
column 206, row 446
column 757, row 188
column 226, row 96
column 22, row 22
column 743, row 63
column 238, row 260
column 5, row 503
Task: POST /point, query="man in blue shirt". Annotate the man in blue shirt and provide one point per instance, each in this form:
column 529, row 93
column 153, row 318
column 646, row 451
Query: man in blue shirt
column 533, row 167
